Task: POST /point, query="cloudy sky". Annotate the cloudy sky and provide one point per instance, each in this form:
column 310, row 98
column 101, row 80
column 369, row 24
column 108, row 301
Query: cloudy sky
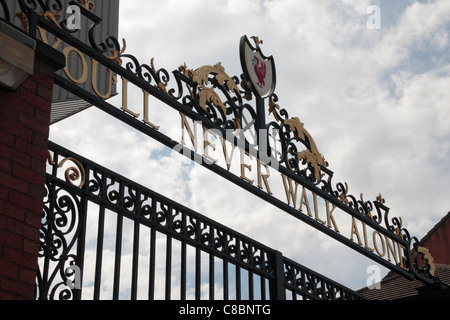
column 375, row 100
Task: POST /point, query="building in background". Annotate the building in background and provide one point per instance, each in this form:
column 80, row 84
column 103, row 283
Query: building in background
column 66, row 104
column 396, row 287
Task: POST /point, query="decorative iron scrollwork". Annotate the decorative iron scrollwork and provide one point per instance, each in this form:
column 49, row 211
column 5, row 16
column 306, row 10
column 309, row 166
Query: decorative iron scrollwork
column 291, row 133
column 72, row 173
column 58, row 234
column 5, row 10
column 309, row 285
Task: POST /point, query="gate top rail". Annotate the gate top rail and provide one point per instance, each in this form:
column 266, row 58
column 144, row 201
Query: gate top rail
column 307, row 167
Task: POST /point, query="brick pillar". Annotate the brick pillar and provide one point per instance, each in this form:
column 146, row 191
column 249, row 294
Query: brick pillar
column 24, row 131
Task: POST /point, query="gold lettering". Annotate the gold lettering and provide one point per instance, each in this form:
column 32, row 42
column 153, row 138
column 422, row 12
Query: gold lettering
column 402, row 258
column 391, row 248
column 330, row 218
column 366, row 243
column 245, row 166
column 84, row 67
column 145, row 119
column 228, row 158
column 383, row 252
column 94, row 80
column 207, row 144
column 263, row 177
column 192, row 135
column 43, row 34
column 290, row 193
column 316, row 209
column 125, row 98
column 355, row 231
column 304, row 201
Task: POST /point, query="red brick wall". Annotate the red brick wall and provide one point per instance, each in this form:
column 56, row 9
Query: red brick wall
column 439, row 242
column 24, row 130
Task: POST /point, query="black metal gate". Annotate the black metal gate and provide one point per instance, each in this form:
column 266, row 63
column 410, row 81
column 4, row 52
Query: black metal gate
column 141, row 237
column 106, row 237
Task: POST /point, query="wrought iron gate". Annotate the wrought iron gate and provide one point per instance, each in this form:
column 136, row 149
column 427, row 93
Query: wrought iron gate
column 85, row 202
column 129, row 242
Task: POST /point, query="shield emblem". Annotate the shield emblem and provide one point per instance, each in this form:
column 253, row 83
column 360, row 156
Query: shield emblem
column 259, row 68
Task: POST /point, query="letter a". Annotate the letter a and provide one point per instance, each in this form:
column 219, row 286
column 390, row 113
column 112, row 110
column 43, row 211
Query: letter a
column 374, row 20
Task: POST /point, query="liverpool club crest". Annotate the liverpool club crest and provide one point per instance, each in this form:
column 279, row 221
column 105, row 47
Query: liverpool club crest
column 259, row 68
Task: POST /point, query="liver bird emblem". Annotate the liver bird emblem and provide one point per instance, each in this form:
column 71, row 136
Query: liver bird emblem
column 260, row 70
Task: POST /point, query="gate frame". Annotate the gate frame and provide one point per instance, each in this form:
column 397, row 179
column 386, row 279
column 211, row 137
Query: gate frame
column 327, row 191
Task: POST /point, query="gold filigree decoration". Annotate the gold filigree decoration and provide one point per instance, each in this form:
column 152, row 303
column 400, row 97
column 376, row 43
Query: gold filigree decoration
column 115, row 54
column 72, row 173
column 368, row 213
column 247, row 86
column 160, row 85
column 380, row 199
column 426, row 255
column 88, row 5
column 397, row 230
column 24, row 21
column 51, row 16
column 312, row 156
column 342, row 196
column 237, row 124
column 54, row 16
column 273, row 107
column 207, row 94
column 257, row 41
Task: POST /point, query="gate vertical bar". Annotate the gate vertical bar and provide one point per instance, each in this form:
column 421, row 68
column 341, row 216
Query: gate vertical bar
column 134, row 274
column 118, row 257
column 183, row 271
column 99, row 256
column 225, row 280
column 151, row 276
column 263, row 288
column 238, row 270
column 198, row 273
column 277, row 286
column 251, row 295
column 238, row 282
column 168, row 267
column 211, row 277
column 81, row 241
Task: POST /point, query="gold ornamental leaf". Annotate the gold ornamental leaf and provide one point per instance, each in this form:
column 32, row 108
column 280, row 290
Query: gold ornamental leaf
column 428, row 258
column 200, row 76
column 227, row 82
column 209, row 95
column 312, row 160
column 295, row 125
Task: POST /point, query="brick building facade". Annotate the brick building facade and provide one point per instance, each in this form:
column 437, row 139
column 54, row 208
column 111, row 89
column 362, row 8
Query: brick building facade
column 395, row 287
column 24, row 131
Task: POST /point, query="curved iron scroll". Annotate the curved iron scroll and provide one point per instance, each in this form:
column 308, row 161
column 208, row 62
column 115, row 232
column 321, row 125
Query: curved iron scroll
column 58, row 234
